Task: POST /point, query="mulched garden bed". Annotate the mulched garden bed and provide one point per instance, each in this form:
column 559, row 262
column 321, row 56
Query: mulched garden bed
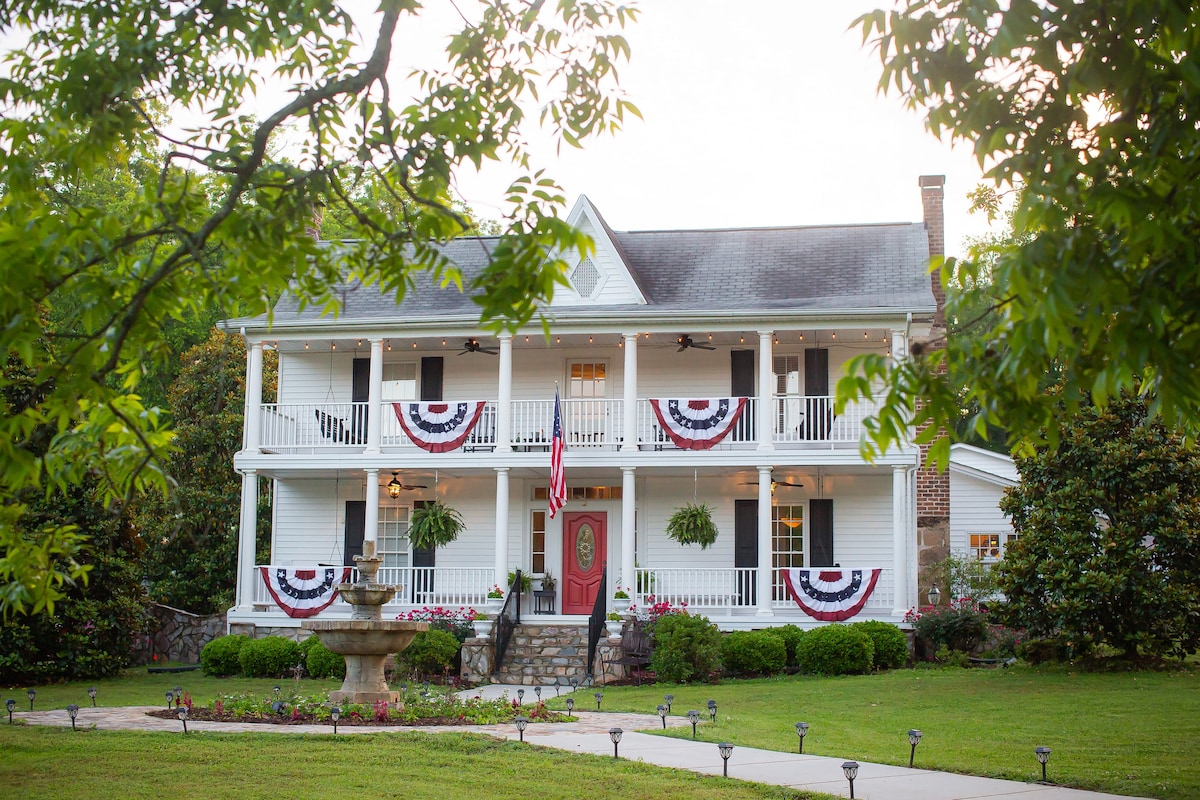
column 352, row 719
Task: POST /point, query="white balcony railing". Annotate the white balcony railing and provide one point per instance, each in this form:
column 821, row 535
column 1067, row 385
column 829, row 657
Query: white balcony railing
column 449, row 587
column 312, row 425
column 810, row 420
column 650, row 434
column 586, row 423
column 732, row 588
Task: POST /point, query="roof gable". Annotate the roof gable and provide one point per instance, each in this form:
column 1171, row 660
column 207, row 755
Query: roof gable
column 606, row 278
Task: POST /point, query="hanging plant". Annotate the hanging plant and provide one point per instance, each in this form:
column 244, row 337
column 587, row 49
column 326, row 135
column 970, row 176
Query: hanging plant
column 433, row 525
column 693, row 524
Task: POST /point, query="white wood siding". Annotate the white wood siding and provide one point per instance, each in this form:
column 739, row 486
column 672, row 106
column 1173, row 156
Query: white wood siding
column 974, row 508
column 306, row 378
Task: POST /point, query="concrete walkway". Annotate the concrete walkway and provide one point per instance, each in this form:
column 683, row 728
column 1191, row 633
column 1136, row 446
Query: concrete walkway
column 590, row 735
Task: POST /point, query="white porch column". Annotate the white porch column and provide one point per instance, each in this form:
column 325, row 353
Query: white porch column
column 504, row 399
column 375, row 397
column 254, row 397
column 628, row 529
column 371, row 523
column 501, row 562
column 899, row 542
column 766, row 568
column 247, row 534
column 629, row 407
column 899, row 345
column 766, row 391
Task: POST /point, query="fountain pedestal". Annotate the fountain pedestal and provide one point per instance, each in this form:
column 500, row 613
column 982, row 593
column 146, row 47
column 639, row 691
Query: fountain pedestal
column 366, row 639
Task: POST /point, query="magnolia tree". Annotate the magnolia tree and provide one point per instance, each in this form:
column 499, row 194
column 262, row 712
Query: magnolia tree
column 1108, row 522
column 216, row 213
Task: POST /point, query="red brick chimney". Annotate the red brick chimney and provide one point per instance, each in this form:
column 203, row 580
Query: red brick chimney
column 935, row 229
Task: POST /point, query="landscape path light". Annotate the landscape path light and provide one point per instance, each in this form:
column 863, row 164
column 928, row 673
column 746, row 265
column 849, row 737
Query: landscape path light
column 668, row 699
column 521, row 696
column 801, row 731
column 335, row 714
column 662, row 714
column 1043, row 755
column 72, row 712
column 599, row 696
column 521, row 723
column 170, row 699
column 694, row 718
column 182, row 711
column 726, row 750
column 712, row 710
column 178, row 692
column 92, row 694
column 10, row 704
column 914, row 739
column 31, row 693
column 570, row 705
column 615, row 735
column 537, row 690
column 850, row 770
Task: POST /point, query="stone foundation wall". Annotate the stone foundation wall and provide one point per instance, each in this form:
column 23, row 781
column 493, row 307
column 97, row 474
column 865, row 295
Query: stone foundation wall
column 602, row 668
column 176, row 635
column 477, row 653
column 933, row 546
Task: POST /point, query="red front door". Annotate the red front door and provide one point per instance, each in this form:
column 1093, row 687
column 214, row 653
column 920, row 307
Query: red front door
column 584, row 548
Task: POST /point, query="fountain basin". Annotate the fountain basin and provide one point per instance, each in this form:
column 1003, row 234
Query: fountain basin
column 366, row 594
column 365, row 643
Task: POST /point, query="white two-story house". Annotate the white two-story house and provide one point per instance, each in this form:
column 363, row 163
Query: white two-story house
column 652, row 324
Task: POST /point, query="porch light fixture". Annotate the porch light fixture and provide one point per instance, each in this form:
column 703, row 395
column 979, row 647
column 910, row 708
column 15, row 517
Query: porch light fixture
column 31, row 693
column 935, row 595
column 801, row 731
column 182, row 713
column 1043, row 755
column 72, row 712
column 694, row 718
column 850, row 770
column 914, row 738
column 662, row 714
column 11, row 705
column 170, row 699
column 712, row 710
column 570, row 705
column 726, row 750
column 668, row 699
column 599, row 696
column 92, row 694
column 335, row 714
column 615, row 735
column 521, row 722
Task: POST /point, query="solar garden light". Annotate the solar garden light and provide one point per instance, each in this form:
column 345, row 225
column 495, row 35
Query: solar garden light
column 914, row 739
column 801, row 731
column 615, row 735
column 726, row 750
column 521, row 722
column 182, row 713
column 668, row 699
column 72, row 712
column 31, row 693
column 935, row 595
column 693, row 717
column 537, row 690
column 712, row 710
column 426, row 685
column 850, row 770
column 574, row 684
column 521, row 696
column 599, row 696
column 92, row 694
column 276, row 689
column 170, row 699
column 662, row 713
column 335, row 714
column 1043, row 755
column 10, row 704
column 178, row 692
column 570, row 705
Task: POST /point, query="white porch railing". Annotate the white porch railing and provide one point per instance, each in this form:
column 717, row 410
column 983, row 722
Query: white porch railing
column 449, row 587
column 651, row 435
column 312, row 425
column 733, row 588
column 586, row 423
column 810, row 420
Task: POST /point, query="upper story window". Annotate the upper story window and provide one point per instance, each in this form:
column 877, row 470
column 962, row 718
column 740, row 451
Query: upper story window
column 585, row 278
column 787, row 375
column 989, row 547
column 399, row 382
column 588, row 380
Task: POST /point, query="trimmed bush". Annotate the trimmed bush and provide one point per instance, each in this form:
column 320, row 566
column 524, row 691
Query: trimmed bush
column 268, row 657
column 220, row 656
column 432, row 652
column 891, row 646
column 687, row 647
column 960, row 626
column 753, row 653
column 835, row 650
column 790, row 634
column 320, row 661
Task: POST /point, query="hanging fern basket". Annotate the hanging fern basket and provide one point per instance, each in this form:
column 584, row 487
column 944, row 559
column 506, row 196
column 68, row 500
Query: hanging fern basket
column 434, row 525
column 693, row 524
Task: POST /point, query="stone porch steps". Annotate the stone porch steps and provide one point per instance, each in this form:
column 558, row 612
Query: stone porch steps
column 545, row 654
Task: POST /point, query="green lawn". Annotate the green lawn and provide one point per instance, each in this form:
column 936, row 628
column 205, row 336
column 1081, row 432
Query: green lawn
column 1125, row 733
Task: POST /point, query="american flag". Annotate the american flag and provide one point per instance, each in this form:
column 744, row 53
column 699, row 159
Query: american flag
column 558, row 478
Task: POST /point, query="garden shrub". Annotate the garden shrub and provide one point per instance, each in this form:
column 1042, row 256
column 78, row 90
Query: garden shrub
column 432, row 652
column 753, row 653
column 220, row 656
column 890, row 643
column 268, row 657
column 961, row 625
column 320, row 661
column 687, row 647
column 835, row 650
column 790, row 634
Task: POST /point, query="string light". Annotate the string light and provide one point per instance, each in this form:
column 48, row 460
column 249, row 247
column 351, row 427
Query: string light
column 558, row 340
column 833, row 335
column 526, row 340
column 743, row 340
column 864, row 335
column 710, row 337
column 306, row 345
column 333, row 345
column 443, row 342
column 802, row 337
column 359, row 343
column 589, row 340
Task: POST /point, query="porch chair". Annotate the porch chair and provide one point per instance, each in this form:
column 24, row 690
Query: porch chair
column 636, row 648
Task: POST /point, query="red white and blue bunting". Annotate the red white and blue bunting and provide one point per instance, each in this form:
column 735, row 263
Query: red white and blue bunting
column 304, row 592
column 438, row 427
column 830, row 595
column 698, row 424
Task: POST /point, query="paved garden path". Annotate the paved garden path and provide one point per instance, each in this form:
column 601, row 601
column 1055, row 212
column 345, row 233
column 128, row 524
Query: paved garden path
column 590, row 735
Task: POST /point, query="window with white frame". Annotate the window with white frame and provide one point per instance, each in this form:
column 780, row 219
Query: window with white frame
column 393, row 546
column 588, row 380
column 787, row 384
column 399, row 382
column 989, row 547
column 787, row 536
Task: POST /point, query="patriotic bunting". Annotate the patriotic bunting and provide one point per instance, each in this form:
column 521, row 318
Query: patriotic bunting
column 304, row 592
column 698, row 424
column 438, row 427
column 830, row 595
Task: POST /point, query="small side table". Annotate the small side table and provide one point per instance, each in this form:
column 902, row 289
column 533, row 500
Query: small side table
column 543, row 601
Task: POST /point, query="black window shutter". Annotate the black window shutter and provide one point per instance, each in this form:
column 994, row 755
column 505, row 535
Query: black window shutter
column 432, row 369
column 745, row 547
column 820, row 533
column 818, row 411
column 741, row 364
column 356, row 527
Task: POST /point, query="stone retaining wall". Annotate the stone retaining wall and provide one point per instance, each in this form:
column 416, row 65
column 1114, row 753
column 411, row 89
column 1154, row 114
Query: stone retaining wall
column 176, row 635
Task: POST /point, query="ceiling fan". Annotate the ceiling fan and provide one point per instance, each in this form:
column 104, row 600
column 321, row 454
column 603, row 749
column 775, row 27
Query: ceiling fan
column 775, row 483
column 473, row 346
column 395, row 486
column 684, row 341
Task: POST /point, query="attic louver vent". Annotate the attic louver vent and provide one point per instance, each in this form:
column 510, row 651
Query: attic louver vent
column 585, row 278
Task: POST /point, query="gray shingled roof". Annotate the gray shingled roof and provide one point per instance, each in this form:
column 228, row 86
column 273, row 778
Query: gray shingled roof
column 820, row 269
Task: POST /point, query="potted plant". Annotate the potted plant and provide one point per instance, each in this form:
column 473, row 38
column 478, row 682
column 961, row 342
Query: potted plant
column 621, row 598
column 433, row 525
column 549, row 582
column 495, row 595
column 481, row 624
column 613, row 623
column 526, row 580
column 693, row 524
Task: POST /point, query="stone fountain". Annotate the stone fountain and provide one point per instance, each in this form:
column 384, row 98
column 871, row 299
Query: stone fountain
column 366, row 639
